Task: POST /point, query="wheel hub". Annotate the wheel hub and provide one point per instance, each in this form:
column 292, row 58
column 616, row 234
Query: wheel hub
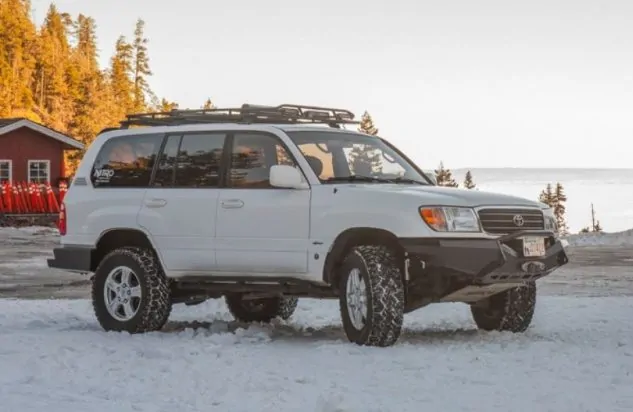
column 122, row 293
column 356, row 296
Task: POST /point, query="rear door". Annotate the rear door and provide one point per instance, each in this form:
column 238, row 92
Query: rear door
column 261, row 229
column 179, row 207
column 119, row 176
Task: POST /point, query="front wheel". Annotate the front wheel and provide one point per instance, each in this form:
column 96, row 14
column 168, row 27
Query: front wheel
column 371, row 296
column 511, row 310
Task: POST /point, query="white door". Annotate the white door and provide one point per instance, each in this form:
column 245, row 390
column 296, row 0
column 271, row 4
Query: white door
column 179, row 209
column 261, row 229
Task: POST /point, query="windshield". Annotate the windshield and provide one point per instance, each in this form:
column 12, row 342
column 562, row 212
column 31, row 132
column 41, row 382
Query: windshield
column 337, row 157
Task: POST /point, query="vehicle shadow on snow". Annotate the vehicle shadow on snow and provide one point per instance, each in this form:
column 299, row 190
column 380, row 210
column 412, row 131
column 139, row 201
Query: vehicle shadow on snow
column 288, row 332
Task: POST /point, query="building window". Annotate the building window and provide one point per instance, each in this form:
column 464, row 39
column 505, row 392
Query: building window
column 5, row 171
column 39, row 171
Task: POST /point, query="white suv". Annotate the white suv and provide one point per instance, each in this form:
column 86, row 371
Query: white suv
column 263, row 205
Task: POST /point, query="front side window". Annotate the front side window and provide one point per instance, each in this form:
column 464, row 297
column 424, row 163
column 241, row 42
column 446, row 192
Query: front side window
column 5, row 171
column 39, row 171
column 338, row 157
column 126, row 161
column 252, row 156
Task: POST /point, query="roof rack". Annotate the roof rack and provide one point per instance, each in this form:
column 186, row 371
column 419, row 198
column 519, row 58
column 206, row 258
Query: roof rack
column 282, row 114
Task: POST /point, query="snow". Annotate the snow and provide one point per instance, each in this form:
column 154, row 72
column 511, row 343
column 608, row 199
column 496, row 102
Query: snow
column 623, row 238
column 578, row 356
column 27, row 231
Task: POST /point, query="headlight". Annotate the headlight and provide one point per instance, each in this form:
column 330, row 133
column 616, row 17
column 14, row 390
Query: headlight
column 550, row 220
column 450, row 219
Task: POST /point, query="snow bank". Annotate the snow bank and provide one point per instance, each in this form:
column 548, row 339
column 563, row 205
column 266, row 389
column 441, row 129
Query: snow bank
column 602, row 239
column 578, row 356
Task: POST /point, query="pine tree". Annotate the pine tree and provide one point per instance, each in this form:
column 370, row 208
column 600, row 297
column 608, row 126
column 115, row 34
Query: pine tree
column 444, row 177
column 51, row 74
column 559, row 209
column 55, row 71
column 367, row 125
column 142, row 93
column 363, row 160
column 121, row 76
column 167, row 106
column 208, row 105
column 468, row 181
column 597, row 228
column 18, row 44
column 86, row 83
column 547, row 196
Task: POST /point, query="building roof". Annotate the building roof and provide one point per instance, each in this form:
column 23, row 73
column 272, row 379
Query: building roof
column 9, row 125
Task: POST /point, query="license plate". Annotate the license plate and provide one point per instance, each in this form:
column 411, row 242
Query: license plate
column 533, row 246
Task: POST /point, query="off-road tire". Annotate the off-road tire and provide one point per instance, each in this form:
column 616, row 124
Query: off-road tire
column 385, row 295
column 260, row 310
column 155, row 305
column 511, row 310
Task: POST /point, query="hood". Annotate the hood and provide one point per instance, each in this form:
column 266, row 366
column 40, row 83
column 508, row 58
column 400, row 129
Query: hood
column 449, row 196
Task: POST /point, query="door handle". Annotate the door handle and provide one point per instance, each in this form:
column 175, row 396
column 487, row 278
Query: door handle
column 232, row 204
column 155, row 202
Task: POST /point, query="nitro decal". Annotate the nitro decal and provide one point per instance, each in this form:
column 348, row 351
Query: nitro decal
column 103, row 175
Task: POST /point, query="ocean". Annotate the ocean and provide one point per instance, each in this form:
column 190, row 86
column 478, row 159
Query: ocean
column 610, row 191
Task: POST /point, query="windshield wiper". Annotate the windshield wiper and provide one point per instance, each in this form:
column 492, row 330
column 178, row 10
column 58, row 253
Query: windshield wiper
column 357, row 178
column 361, row 178
column 407, row 180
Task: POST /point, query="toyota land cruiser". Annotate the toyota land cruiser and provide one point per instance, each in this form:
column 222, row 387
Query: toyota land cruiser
column 262, row 205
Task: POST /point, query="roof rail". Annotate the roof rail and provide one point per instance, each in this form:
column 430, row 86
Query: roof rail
column 282, row 114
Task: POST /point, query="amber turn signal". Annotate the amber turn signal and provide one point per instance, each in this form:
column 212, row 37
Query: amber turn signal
column 434, row 217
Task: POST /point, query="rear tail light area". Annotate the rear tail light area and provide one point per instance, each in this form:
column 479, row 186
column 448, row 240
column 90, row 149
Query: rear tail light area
column 61, row 222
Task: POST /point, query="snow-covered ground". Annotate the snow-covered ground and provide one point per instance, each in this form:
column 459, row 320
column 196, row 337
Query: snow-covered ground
column 577, row 356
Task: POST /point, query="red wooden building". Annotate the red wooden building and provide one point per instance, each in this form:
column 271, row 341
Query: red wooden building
column 30, row 152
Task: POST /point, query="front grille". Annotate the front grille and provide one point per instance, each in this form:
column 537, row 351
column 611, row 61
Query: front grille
column 504, row 221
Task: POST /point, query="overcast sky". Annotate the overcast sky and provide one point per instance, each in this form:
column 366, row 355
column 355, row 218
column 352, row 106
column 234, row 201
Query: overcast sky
column 539, row 83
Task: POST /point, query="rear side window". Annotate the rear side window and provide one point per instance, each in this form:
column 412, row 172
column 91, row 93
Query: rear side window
column 126, row 161
column 192, row 160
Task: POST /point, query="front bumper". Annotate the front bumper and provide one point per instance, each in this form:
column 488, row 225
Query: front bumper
column 489, row 261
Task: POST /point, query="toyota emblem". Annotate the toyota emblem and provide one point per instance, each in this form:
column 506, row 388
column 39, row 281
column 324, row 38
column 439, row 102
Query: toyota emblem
column 518, row 220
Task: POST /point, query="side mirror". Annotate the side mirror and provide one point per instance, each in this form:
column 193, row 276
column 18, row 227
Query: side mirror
column 286, row 177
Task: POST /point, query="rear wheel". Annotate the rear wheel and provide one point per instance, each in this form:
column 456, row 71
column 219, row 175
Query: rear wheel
column 511, row 310
column 371, row 296
column 262, row 309
column 130, row 292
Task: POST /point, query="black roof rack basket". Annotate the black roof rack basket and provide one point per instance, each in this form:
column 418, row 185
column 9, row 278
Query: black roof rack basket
column 247, row 114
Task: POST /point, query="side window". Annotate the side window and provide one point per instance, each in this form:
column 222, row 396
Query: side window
column 199, row 160
column 166, row 170
column 126, row 161
column 252, row 156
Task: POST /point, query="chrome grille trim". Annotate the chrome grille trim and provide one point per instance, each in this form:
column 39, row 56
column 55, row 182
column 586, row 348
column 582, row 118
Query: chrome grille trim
column 500, row 220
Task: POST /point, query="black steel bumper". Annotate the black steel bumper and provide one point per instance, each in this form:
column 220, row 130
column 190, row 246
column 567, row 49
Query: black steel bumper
column 72, row 259
column 486, row 261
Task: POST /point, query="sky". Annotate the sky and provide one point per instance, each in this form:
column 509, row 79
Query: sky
column 505, row 83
